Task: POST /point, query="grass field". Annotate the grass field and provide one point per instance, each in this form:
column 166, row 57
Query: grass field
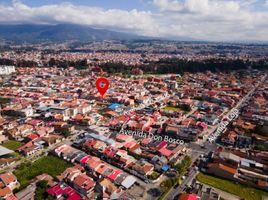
column 11, row 144
column 48, row 164
column 246, row 192
column 168, row 108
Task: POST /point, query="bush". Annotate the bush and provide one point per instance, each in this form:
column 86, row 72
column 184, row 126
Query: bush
column 41, row 187
column 48, row 164
column 154, row 175
column 183, row 165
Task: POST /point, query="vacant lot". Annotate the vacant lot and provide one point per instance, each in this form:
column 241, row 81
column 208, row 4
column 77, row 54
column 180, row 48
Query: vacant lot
column 48, row 164
column 13, row 145
column 248, row 193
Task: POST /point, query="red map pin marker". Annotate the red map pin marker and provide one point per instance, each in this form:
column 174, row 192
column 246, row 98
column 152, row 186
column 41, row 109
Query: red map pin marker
column 102, row 85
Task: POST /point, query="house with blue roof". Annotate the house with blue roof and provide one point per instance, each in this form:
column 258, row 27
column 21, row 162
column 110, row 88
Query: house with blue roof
column 115, row 106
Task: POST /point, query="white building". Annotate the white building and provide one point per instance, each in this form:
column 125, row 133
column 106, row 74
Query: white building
column 5, row 70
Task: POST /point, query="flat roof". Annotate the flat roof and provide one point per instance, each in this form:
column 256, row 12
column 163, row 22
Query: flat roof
column 129, row 181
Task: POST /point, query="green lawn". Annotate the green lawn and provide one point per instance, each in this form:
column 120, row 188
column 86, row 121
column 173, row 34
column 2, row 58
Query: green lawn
column 246, row 192
column 48, row 164
column 168, row 108
column 11, row 144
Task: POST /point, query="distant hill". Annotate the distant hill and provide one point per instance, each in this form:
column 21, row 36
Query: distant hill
column 59, row 33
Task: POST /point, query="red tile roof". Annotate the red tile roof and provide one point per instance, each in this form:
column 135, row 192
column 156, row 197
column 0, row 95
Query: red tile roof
column 32, row 136
column 166, row 152
column 186, row 196
column 114, row 174
column 58, row 191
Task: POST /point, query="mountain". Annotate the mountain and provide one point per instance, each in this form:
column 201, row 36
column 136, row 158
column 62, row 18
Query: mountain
column 59, row 33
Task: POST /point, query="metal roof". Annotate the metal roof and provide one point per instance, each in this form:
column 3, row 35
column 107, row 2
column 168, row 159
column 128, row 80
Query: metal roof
column 4, row 151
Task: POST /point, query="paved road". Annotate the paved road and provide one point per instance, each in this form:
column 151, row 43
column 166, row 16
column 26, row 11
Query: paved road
column 195, row 154
column 210, row 147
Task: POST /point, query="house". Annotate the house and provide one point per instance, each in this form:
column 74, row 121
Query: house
column 25, row 129
column 63, row 191
column 52, row 139
column 128, row 181
column 93, row 164
column 114, row 106
column 165, row 152
column 20, row 132
column 31, row 150
column 143, row 167
column 114, row 175
column 84, row 184
column 27, row 193
column 108, row 190
column 124, row 138
column 44, row 130
column 9, row 180
column 5, row 192
column 120, row 178
column 19, row 111
column 7, row 161
column 122, row 159
column 186, row 196
column 221, row 170
column 229, row 137
column 70, row 173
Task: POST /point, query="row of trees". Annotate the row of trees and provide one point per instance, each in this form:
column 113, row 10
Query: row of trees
column 163, row 66
column 176, row 65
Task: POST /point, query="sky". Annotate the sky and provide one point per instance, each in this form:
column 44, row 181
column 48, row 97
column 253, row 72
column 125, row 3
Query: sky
column 212, row 20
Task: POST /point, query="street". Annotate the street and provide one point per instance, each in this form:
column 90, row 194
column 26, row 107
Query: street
column 196, row 150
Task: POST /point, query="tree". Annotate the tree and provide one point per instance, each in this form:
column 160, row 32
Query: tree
column 66, row 133
column 41, row 187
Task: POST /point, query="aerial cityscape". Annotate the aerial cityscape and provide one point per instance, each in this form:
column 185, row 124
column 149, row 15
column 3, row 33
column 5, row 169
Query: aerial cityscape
column 134, row 100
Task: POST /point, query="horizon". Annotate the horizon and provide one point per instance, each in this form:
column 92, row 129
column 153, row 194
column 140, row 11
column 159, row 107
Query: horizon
column 211, row 20
column 148, row 38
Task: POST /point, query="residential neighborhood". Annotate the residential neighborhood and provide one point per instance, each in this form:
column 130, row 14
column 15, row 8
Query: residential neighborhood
column 132, row 142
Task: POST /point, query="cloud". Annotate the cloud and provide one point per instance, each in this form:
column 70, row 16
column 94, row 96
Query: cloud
column 214, row 19
column 197, row 6
column 140, row 22
column 222, row 20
